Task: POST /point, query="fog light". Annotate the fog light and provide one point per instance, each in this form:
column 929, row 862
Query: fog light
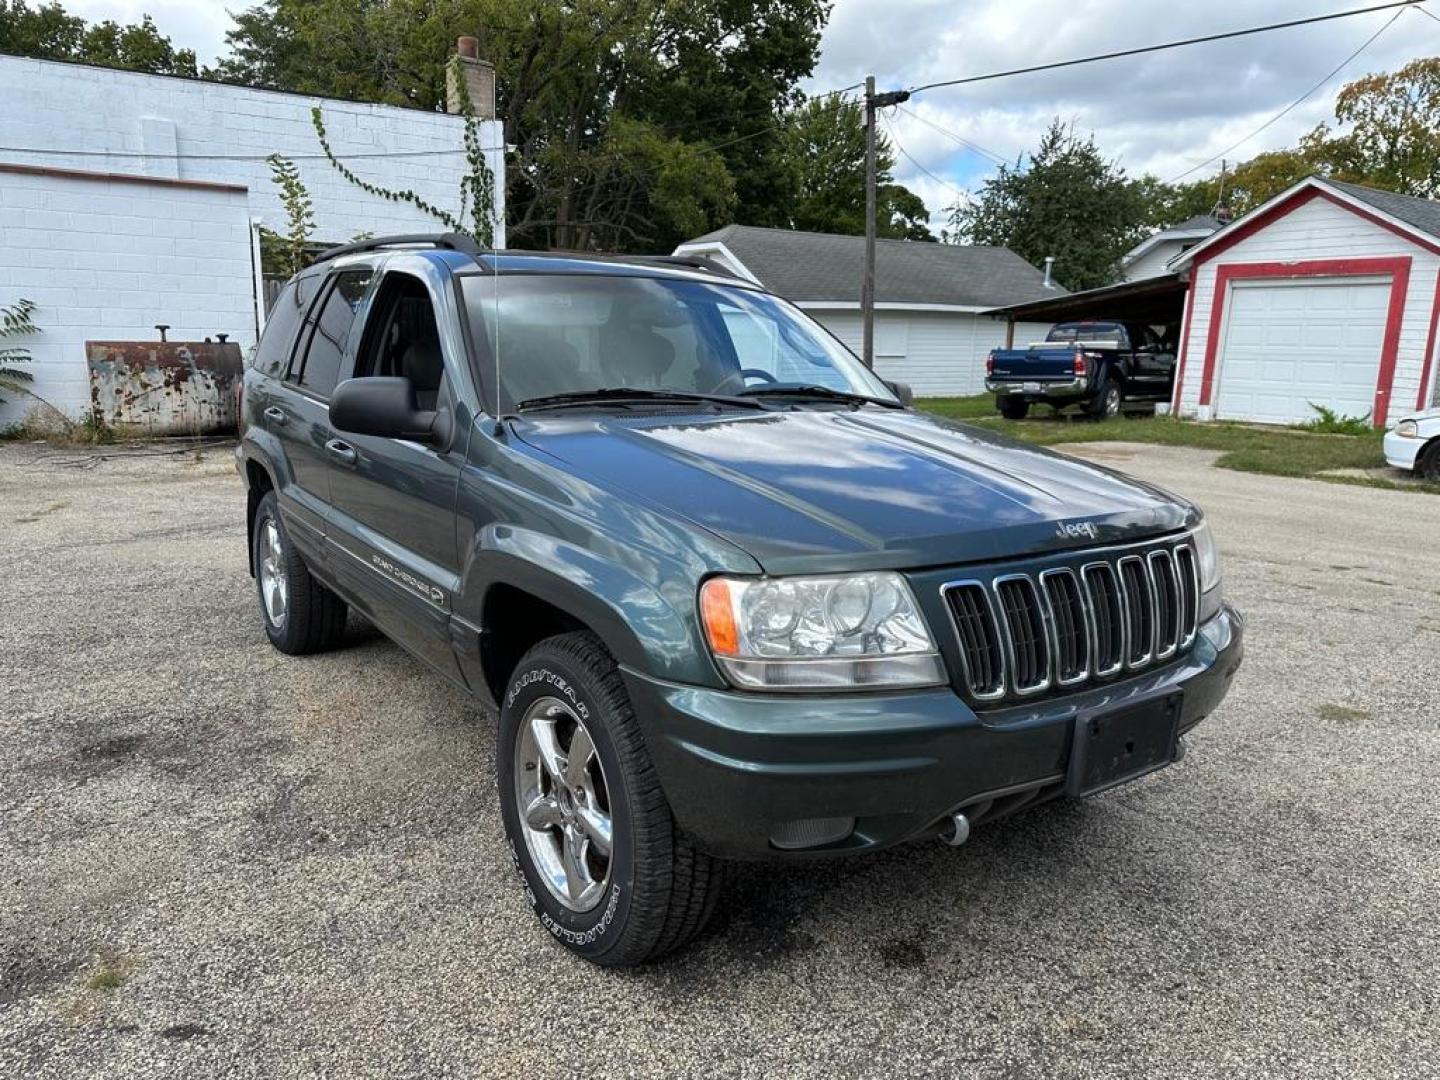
column 811, row 832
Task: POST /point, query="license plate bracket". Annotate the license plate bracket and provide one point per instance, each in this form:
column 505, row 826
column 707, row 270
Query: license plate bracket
column 1030, row 387
column 1112, row 748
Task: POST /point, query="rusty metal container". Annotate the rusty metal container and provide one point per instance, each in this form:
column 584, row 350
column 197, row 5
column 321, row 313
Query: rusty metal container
column 164, row 387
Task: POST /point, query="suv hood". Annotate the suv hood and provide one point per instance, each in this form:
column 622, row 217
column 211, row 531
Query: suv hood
column 835, row 489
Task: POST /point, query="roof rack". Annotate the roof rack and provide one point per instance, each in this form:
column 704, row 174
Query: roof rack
column 448, row 241
column 694, row 262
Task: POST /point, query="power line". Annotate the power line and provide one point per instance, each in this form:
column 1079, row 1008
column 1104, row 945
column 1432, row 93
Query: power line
column 961, row 140
column 1167, row 45
column 959, row 192
column 1296, row 103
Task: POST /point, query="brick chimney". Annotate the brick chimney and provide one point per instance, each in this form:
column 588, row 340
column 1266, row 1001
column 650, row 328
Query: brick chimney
column 479, row 76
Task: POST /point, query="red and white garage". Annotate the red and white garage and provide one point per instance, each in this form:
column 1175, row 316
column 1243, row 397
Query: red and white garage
column 1326, row 295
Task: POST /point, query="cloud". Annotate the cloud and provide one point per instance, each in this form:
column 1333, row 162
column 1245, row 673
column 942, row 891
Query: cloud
column 1161, row 113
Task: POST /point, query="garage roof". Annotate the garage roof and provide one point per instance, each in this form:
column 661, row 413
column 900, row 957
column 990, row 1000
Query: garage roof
column 1424, row 214
column 809, row 266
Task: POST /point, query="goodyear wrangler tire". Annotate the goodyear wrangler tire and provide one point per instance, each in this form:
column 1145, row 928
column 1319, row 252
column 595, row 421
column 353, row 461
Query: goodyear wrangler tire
column 602, row 862
column 300, row 615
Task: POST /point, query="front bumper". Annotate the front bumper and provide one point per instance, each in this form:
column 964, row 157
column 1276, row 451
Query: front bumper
column 1400, row 452
column 737, row 766
column 1067, row 388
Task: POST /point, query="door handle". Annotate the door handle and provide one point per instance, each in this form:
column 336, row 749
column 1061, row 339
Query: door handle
column 275, row 415
column 342, row 452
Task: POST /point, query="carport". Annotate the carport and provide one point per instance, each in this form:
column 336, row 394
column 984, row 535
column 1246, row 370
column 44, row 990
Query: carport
column 1156, row 301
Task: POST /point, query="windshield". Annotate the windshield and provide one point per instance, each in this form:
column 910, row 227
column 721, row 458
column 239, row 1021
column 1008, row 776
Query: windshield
column 572, row 333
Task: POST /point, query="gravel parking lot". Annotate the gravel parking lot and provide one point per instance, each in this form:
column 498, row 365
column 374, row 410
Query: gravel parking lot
column 218, row 860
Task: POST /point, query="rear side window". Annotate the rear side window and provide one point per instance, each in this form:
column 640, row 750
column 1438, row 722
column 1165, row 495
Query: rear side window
column 328, row 329
column 280, row 327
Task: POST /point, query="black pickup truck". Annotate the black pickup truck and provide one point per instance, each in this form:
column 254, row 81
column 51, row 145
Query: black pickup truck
column 1097, row 364
column 730, row 597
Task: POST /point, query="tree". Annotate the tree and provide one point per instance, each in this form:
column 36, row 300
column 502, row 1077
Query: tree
column 1067, row 201
column 48, row 32
column 635, row 123
column 1394, row 136
column 823, row 155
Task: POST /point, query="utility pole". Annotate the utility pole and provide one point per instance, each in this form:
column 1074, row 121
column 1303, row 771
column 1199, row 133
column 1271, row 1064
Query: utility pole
column 873, row 101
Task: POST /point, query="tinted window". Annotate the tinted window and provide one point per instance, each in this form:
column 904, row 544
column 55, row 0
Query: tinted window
column 280, row 327
column 331, row 322
column 1091, row 332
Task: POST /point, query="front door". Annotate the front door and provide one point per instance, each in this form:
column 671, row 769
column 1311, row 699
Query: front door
column 393, row 500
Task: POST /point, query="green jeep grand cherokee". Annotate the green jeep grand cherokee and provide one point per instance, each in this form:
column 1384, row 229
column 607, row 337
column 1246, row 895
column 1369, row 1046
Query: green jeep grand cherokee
column 732, row 597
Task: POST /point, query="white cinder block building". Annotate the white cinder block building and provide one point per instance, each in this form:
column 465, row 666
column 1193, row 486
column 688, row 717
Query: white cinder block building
column 931, row 326
column 1329, row 294
column 131, row 200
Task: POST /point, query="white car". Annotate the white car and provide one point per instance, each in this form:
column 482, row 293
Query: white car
column 1414, row 444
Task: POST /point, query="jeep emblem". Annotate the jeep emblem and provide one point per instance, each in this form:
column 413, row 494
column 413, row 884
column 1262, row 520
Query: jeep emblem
column 1072, row 530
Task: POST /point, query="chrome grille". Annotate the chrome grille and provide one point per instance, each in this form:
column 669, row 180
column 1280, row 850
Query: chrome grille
column 1062, row 626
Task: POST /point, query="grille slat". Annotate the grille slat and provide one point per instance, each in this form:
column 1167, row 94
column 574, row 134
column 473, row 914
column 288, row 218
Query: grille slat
column 1072, row 632
column 1027, row 639
column 1021, row 634
column 1139, row 612
column 979, row 637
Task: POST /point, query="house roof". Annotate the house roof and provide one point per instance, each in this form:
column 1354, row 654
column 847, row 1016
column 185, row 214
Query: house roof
column 1200, row 225
column 823, row 267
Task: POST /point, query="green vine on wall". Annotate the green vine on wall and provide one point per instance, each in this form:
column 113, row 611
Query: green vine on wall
column 477, row 186
column 298, row 211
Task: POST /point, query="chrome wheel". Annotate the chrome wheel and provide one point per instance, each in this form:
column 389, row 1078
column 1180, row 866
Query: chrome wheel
column 1112, row 401
column 563, row 804
column 270, row 564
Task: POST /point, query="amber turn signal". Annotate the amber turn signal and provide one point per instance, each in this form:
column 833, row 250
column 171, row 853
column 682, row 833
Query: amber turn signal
column 717, row 614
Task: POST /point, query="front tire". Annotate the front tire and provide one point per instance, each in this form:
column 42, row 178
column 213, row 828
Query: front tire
column 1012, row 408
column 300, row 615
column 1427, row 465
column 602, row 862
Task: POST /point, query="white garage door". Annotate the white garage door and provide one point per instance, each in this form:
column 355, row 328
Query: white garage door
column 1288, row 345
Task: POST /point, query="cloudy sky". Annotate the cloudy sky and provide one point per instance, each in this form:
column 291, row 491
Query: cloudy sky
column 1162, row 113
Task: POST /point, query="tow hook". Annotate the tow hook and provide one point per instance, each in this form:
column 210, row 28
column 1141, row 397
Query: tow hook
column 957, row 831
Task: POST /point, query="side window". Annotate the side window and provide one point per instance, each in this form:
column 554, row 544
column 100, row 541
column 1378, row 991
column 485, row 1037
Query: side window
column 402, row 338
column 328, row 329
column 280, row 327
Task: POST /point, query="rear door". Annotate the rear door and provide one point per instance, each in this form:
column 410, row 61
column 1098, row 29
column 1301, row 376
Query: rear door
column 302, row 478
column 393, row 500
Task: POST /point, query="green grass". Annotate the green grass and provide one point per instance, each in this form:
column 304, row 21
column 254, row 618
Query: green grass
column 1273, row 451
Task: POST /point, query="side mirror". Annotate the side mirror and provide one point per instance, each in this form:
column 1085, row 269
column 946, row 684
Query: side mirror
column 902, row 391
column 381, row 406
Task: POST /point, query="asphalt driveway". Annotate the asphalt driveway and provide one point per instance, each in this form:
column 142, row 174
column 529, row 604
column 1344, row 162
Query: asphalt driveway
column 218, row 860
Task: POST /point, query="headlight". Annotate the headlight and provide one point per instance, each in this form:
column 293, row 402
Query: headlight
column 837, row 632
column 1209, row 556
column 1407, row 429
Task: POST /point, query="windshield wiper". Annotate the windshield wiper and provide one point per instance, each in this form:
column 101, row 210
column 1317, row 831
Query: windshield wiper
column 815, row 390
column 619, row 394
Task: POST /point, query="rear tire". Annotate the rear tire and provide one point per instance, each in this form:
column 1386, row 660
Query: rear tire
column 653, row 891
column 300, row 615
column 1105, row 405
column 1013, row 408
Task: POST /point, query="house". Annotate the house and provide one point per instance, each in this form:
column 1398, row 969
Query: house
column 1327, row 295
column 1151, row 256
column 930, row 328
column 130, row 200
